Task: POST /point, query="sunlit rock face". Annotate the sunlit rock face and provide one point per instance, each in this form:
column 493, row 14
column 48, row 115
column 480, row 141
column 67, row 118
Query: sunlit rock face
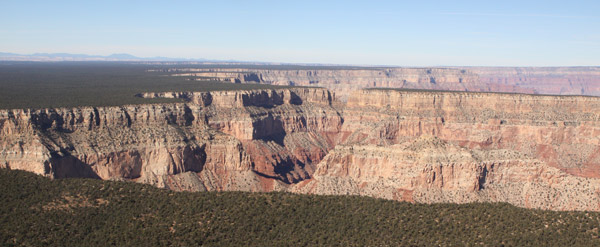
column 528, row 150
column 231, row 140
column 422, row 146
column 343, row 81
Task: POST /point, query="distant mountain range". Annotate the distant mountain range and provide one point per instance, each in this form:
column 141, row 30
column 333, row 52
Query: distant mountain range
column 4, row 56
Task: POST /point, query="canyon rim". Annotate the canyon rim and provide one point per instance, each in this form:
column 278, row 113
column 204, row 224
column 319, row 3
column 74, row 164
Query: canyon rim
column 355, row 132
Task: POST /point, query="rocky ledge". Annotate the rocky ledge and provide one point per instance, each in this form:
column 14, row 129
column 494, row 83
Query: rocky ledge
column 422, row 146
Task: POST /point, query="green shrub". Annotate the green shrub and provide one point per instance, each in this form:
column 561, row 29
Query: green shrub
column 37, row 211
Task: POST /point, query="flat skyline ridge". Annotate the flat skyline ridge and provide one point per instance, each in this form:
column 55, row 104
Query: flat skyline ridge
column 126, row 57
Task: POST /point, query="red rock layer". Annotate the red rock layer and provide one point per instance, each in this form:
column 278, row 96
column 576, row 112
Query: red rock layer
column 227, row 139
column 531, row 151
column 528, row 150
column 541, row 80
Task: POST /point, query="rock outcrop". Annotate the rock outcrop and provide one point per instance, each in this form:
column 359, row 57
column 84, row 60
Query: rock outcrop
column 231, row 140
column 529, row 150
column 343, row 81
column 545, row 80
column 533, row 151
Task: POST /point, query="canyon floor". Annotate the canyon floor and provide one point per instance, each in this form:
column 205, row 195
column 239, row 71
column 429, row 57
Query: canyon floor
column 425, row 135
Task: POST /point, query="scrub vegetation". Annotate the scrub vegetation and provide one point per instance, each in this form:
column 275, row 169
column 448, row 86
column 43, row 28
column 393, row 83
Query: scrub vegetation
column 37, row 211
column 72, row 84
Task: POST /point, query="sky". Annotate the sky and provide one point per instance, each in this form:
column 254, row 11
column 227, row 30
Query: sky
column 403, row 33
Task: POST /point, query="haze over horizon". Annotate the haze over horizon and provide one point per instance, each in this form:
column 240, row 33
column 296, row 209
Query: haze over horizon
column 434, row 33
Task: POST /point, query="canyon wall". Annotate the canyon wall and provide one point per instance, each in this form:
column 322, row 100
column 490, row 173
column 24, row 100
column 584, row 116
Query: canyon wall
column 545, row 80
column 424, row 146
column 528, row 150
column 230, row 140
column 540, row 80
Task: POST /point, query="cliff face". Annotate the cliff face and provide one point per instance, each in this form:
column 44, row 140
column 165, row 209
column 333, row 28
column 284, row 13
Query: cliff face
column 219, row 141
column 531, row 151
column 558, row 130
column 550, row 80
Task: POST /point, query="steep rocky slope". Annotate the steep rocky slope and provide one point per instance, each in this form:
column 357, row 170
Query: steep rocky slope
column 424, row 146
column 529, row 150
column 545, row 80
column 230, row 140
column 542, row 80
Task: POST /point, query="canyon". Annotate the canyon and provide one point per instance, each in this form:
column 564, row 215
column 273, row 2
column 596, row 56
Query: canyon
column 343, row 81
column 533, row 151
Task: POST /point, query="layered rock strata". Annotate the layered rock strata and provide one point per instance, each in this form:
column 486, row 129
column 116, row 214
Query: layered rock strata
column 422, row 146
column 528, row 150
column 342, row 81
column 231, row 140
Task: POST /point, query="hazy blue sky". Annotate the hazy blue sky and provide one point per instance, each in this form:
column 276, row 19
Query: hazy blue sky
column 408, row 33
